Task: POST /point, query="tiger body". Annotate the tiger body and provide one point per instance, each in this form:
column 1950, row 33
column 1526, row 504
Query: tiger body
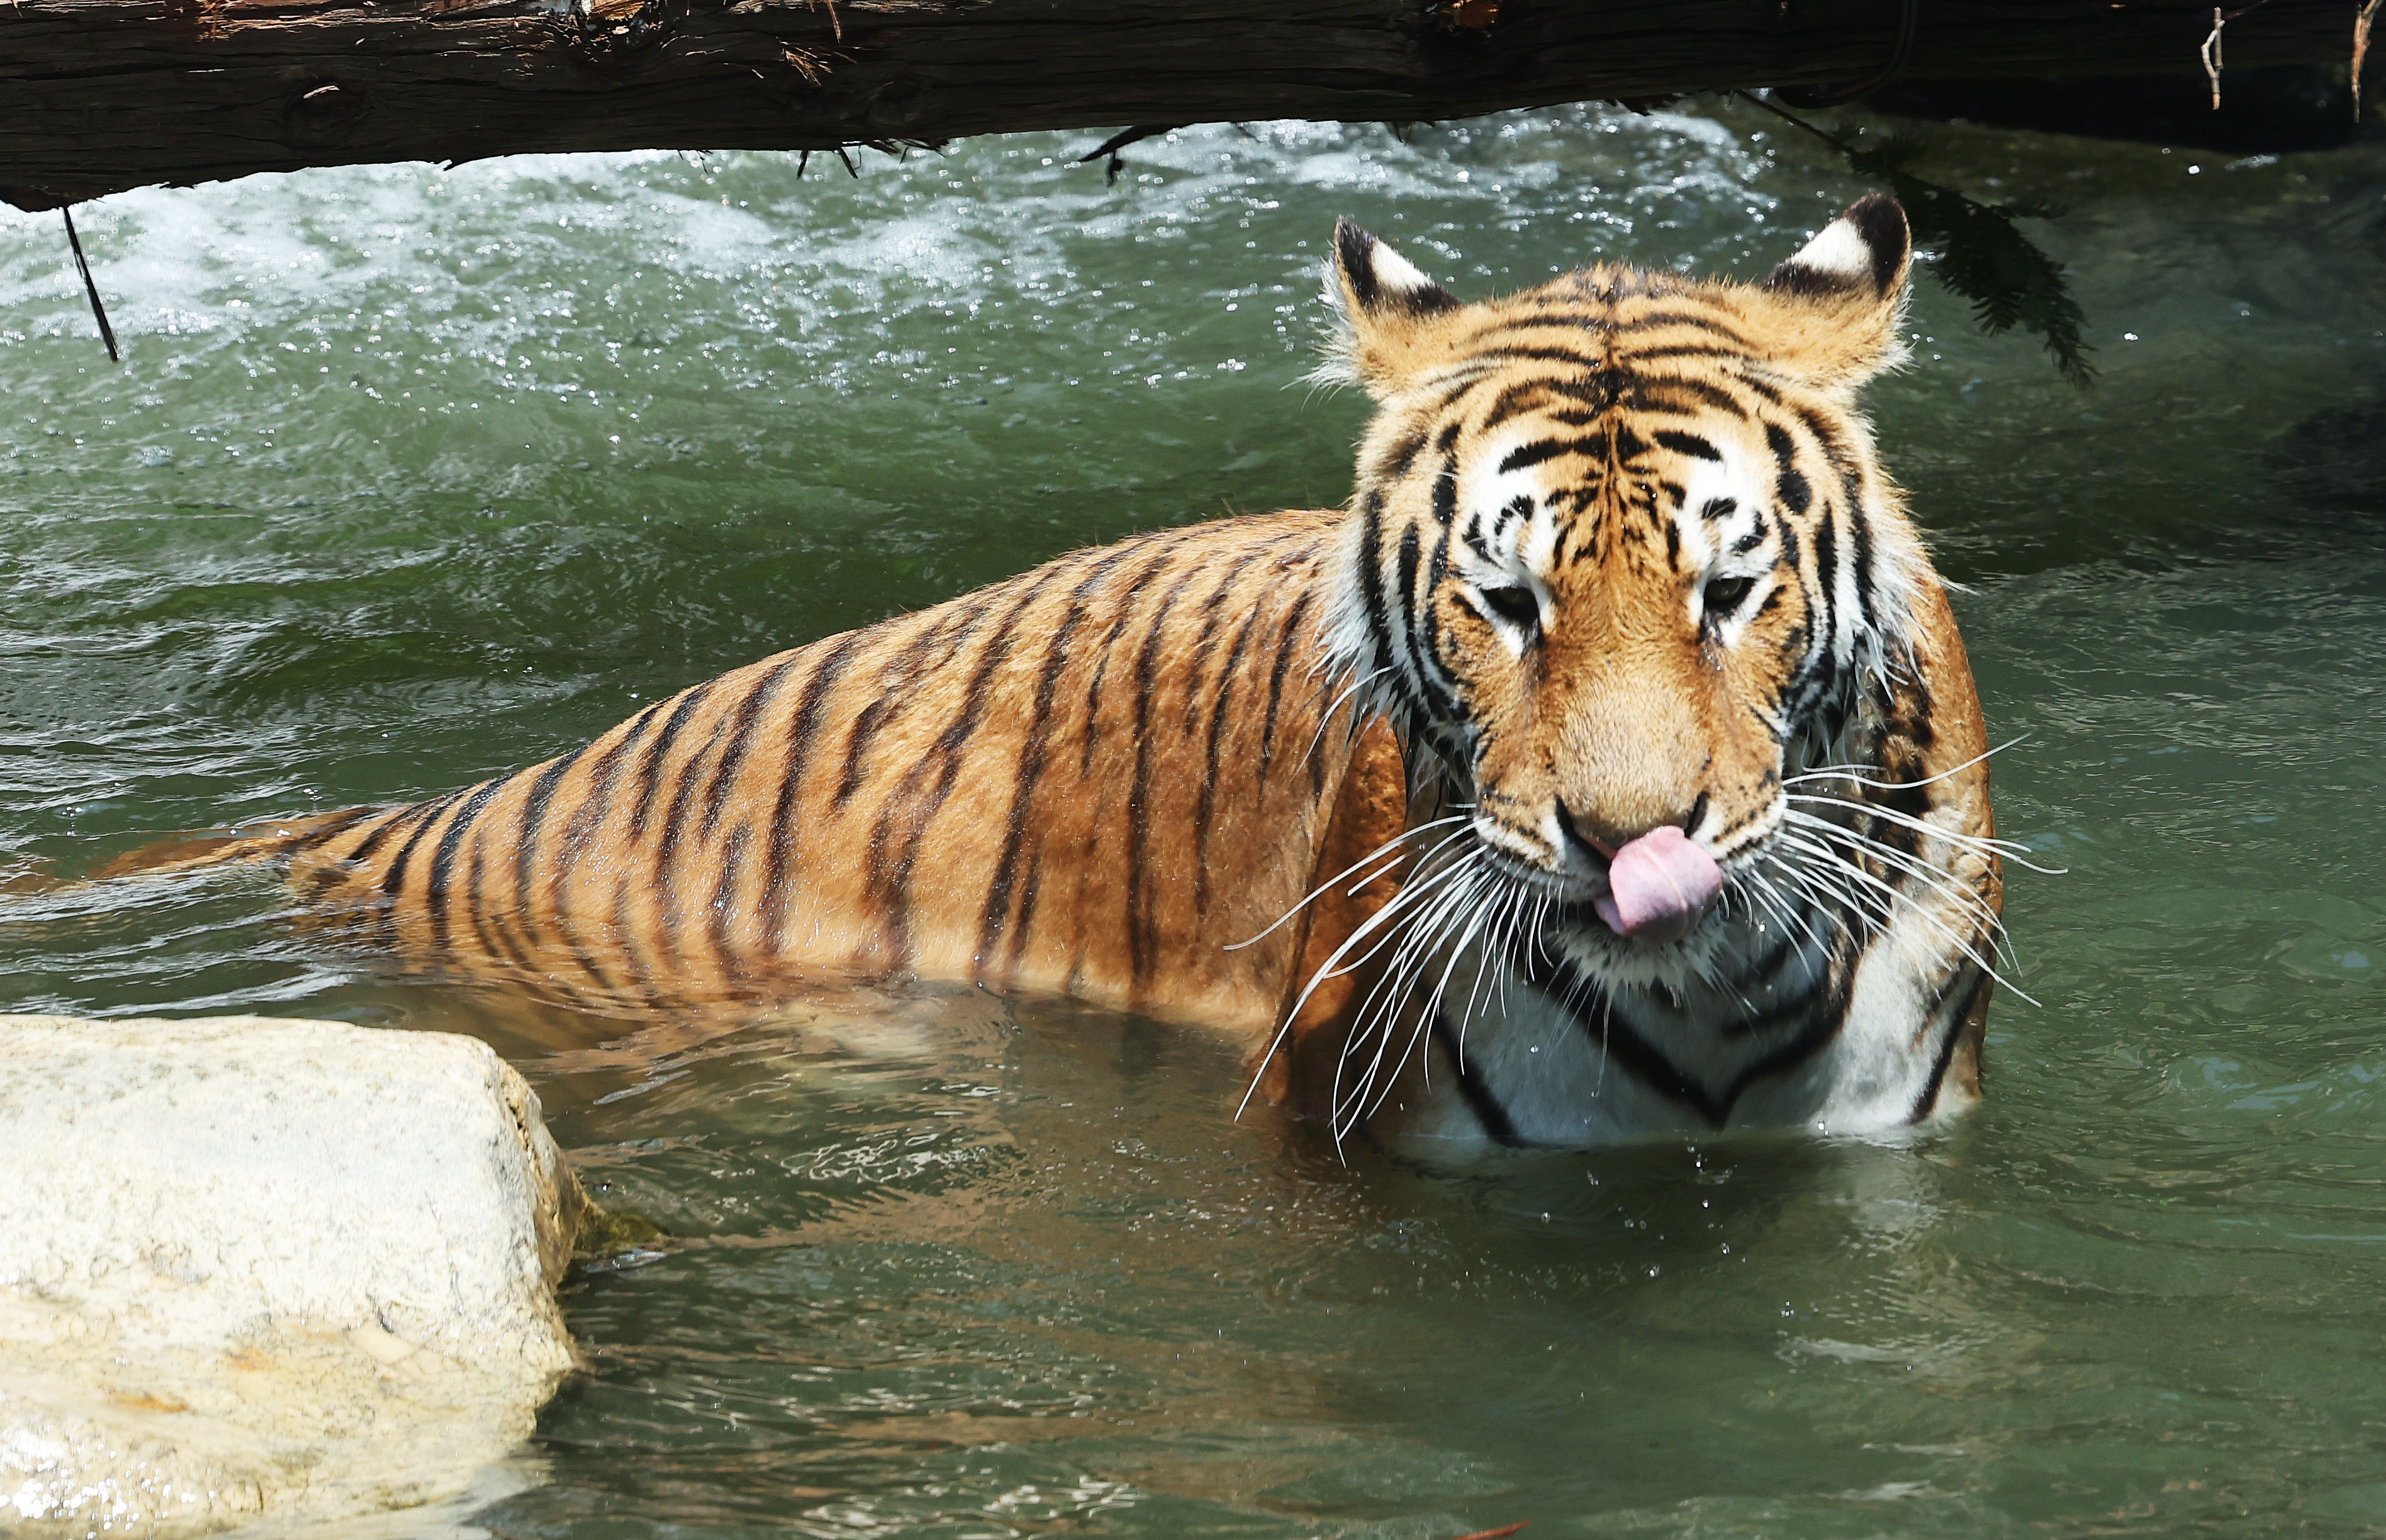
column 959, row 793
column 1610, row 766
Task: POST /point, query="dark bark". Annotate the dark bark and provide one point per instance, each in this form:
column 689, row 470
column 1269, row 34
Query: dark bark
column 99, row 95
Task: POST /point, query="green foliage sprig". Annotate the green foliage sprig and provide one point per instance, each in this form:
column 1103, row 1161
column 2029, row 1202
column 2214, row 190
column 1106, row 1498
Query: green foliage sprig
column 1982, row 255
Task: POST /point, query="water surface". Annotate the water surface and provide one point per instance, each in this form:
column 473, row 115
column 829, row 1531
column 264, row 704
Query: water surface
column 412, row 476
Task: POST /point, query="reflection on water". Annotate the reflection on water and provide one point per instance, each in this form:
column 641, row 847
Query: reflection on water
column 412, row 476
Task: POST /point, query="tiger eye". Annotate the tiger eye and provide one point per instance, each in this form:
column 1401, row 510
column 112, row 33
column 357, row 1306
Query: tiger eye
column 1514, row 605
column 1725, row 596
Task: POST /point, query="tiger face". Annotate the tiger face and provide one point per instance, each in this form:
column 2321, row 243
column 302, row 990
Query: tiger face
column 1619, row 559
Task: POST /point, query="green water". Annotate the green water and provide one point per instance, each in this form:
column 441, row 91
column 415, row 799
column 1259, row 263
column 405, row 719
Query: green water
column 412, row 476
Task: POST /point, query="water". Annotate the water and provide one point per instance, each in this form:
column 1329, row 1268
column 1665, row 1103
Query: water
column 412, row 476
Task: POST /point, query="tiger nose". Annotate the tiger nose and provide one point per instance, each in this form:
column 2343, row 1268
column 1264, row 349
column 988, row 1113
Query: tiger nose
column 1622, row 824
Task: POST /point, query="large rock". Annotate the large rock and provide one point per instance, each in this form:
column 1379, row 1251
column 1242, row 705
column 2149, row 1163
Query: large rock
column 254, row 1266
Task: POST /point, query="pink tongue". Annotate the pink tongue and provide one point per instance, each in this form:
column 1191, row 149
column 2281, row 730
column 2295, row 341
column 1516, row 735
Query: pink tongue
column 1657, row 884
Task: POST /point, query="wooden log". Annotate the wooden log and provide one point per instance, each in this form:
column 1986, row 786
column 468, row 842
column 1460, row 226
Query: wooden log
column 100, row 95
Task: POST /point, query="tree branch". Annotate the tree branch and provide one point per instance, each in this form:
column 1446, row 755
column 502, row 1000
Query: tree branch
column 100, row 95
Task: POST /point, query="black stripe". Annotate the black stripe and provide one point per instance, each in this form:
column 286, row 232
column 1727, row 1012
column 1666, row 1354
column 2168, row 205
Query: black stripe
column 1456, row 388
column 1212, row 612
column 1287, row 646
column 1436, row 570
column 1401, row 456
column 1927, row 1102
column 1513, row 402
column 1593, row 1010
column 533, row 817
column 1703, row 323
column 393, row 881
column 1826, row 436
column 724, row 894
column 1028, row 889
column 1689, row 444
column 1863, row 560
column 587, row 815
column 442, row 859
column 1220, row 698
column 951, row 628
column 1575, row 992
column 399, row 818
column 1445, row 492
column 866, row 724
column 1827, row 578
column 1109, row 649
column 650, row 771
column 1779, row 1014
column 669, row 842
column 1142, row 940
column 625, row 936
column 1497, row 1124
column 1538, row 354
column 493, row 941
column 1682, row 350
column 1528, row 455
column 1370, row 582
column 333, row 826
column 1790, row 484
column 1585, row 319
column 1830, row 1015
column 803, row 732
column 1435, row 701
column 1033, row 757
column 1656, row 395
column 741, row 739
column 891, row 872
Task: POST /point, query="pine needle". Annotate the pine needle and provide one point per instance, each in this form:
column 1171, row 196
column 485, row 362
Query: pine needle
column 1983, row 256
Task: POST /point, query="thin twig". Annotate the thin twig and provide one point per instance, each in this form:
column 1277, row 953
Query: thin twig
column 1495, row 1534
column 1790, row 118
column 106, row 333
column 1121, row 140
column 2211, row 49
column 2211, row 52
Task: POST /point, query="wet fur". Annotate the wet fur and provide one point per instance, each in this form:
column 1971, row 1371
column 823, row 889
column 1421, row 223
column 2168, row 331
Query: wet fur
column 1115, row 776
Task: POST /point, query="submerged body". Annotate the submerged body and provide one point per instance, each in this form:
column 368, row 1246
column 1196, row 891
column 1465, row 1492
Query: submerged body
column 1618, row 738
column 1092, row 780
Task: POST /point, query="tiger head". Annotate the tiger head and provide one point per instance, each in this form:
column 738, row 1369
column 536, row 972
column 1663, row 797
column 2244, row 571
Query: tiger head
column 1620, row 560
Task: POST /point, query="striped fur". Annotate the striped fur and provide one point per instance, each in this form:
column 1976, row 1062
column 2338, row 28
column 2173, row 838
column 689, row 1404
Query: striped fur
column 1620, row 555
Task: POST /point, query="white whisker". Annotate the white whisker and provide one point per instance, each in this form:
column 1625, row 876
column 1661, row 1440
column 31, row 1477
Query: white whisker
column 2011, row 850
column 1893, row 896
column 1412, row 893
column 1855, row 772
column 1390, row 846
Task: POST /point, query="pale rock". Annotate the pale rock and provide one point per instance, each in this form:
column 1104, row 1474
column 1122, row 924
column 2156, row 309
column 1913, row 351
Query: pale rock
column 255, row 1268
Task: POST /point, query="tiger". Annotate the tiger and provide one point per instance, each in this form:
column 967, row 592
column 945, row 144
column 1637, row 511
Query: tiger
column 1608, row 767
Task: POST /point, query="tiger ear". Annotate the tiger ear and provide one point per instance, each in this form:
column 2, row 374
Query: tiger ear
column 1840, row 300
column 1388, row 310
